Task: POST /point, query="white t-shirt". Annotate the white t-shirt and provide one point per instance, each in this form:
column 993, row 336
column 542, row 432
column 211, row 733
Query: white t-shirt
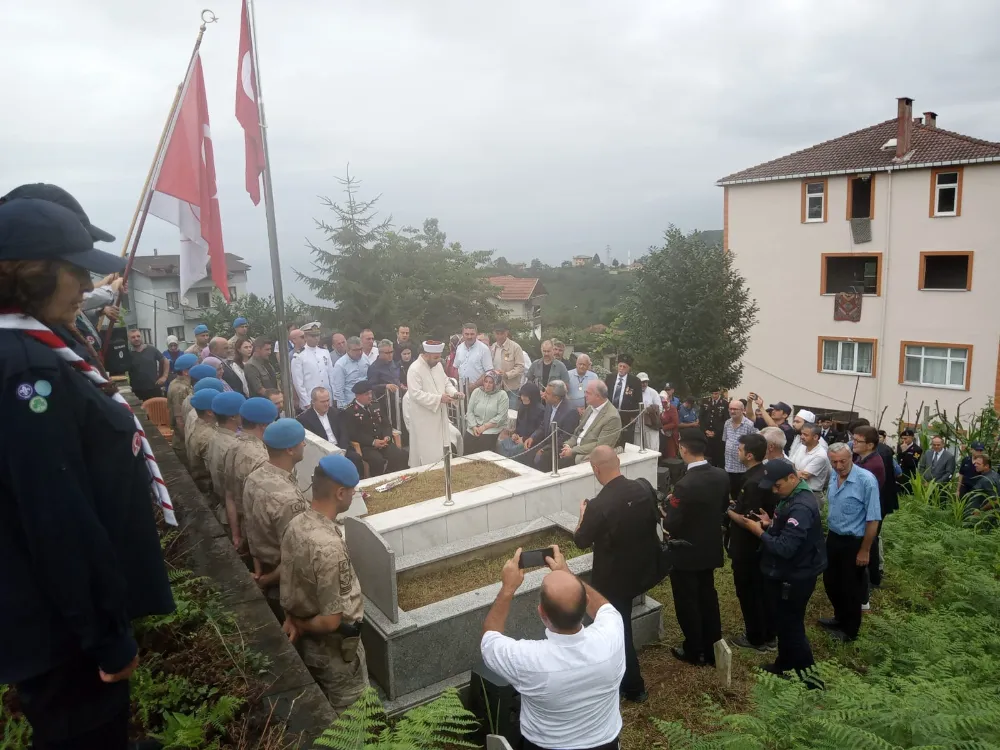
column 816, row 462
column 568, row 683
column 324, row 419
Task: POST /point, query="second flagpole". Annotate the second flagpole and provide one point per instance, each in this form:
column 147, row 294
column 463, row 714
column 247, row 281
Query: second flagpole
column 272, row 229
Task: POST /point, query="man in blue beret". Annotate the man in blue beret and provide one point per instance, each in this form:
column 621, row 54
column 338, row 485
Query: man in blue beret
column 177, row 393
column 372, row 433
column 272, row 498
column 320, row 593
column 226, row 407
column 197, row 373
column 242, row 327
column 244, row 457
column 201, row 339
column 200, row 437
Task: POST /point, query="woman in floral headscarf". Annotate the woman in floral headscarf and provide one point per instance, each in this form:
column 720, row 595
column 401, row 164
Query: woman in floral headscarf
column 486, row 415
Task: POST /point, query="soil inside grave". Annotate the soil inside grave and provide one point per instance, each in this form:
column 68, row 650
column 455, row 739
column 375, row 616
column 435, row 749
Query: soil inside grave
column 464, row 573
column 428, row 485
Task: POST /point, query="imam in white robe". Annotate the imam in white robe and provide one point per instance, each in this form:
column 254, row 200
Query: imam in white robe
column 427, row 416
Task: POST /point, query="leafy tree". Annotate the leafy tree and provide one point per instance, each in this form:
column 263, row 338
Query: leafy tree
column 536, row 265
column 259, row 311
column 597, row 260
column 379, row 277
column 566, row 264
column 688, row 313
column 615, row 263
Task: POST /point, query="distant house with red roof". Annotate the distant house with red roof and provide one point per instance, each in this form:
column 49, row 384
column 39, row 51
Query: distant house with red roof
column 522, row 298
column 880, row 251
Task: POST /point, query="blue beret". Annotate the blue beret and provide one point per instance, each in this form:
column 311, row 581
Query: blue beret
column 202, row 328
column 228, row 404
column 285, row 433
column 203, row 399
column 212, row 384
column 362, row 386
column 340, row 469
column 259, row 410
column 200, row 371
column 185, row 362
column 240, row 322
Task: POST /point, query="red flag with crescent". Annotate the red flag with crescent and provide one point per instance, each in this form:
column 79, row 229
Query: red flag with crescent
column 246, row 109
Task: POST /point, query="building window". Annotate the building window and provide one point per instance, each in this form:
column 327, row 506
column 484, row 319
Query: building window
column 946, row 270
column 147, row 335
column 813, row 200
column 946, row 191
column 177, row 331
column 232, row 293
column 941, row 365
column 861, row 197
column 204, row 300
column 851, row 273
column 847, row 356
column 173, row 300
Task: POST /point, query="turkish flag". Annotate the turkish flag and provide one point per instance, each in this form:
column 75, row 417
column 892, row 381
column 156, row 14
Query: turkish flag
column 185, row 193
column 246, row 109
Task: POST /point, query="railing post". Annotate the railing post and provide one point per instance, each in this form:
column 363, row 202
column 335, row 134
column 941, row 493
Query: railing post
column 554, row 444
column 447, row 475
column 641, row 428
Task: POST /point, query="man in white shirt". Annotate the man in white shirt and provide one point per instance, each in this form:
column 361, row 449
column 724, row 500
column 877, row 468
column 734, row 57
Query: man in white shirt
column 310, row 367
column 811, row 460
column 368, row 349
column 568, row 682
column 473, row 358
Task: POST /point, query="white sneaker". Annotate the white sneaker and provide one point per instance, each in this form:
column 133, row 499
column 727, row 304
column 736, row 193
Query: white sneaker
column 866, row 607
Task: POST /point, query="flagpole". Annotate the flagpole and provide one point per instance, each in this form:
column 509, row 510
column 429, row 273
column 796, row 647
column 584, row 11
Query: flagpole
column 142, row 210
column 272, row 227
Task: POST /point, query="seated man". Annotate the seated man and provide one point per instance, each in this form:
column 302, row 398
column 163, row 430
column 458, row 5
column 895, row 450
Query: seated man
column 371, row 431
column 569, row 681
column 558, row 409
column 600, row 424
column 326, row 423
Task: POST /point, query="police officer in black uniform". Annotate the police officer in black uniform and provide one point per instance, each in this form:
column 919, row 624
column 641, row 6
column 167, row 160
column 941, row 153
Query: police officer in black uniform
column 372, row 432
column 714, row 413
column 78, row 542
column 793, row 554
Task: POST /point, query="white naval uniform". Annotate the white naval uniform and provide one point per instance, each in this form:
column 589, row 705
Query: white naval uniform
column 310, row 369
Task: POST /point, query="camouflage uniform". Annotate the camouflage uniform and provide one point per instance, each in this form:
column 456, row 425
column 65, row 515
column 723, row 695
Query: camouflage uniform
column 272, row 498
column 190, row 416
column 224, row 439
column 177, row 393
column 198, row 442
column 244, row 456
column 317, row 578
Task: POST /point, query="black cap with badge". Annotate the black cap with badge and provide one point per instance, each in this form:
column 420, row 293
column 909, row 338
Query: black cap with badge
column 38, row 229
column 55, row 194
column 774, row 471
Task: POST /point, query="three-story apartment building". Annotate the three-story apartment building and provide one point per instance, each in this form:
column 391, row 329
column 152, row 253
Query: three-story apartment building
column 903, row 213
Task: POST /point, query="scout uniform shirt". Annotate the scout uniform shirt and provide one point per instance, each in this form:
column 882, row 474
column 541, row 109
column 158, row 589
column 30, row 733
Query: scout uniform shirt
column 224, row 440
column 197, row 443
column 317, row 578
column 177, row 393
column 272, row 498
column 242, row 458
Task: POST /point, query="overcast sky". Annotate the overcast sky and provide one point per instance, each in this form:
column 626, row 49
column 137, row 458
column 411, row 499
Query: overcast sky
column 538, row 128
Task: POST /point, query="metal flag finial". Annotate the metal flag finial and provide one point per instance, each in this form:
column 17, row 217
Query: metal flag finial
column 207, row 17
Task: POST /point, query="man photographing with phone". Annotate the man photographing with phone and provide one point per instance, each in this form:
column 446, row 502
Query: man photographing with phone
column 568, row 682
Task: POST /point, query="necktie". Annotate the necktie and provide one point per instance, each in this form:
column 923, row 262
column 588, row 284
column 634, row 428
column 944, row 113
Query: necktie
column 618, row 392
column 934, row 460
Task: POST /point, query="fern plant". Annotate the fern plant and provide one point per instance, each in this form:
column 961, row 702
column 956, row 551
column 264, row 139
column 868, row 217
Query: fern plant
column 365, row 726
column 192, row 731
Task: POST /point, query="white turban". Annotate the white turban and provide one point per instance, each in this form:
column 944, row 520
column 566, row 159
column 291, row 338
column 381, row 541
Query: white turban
column 807, row 416
column 433, row 347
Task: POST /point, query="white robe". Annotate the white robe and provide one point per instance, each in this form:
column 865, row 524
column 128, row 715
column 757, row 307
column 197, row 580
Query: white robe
column 651, row 434
column 427, row 417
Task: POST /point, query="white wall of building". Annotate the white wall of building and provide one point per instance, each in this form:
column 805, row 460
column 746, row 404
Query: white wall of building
column 781, row 259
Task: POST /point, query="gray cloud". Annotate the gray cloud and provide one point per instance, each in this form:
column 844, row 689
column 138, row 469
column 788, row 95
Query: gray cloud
column 538, row 129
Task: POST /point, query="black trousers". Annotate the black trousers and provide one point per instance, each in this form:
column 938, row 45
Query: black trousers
column 788, row 608
column 632, row 683
column 749, row 584
column 613, row 745
column 144, row 394
column 716, row 452
column 875, row 561
column 355, row 458
column 696, row 605
column 477, row 444
column 384, row 460
column 69, row 708
column 844, row 581
column 736, row 479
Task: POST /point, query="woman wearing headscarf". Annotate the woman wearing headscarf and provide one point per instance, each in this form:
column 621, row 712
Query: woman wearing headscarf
column 219, row 370
column 530, row 413
column 486, row 415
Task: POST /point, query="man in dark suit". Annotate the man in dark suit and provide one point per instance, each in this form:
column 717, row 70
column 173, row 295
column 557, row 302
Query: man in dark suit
column 694, row 514
column 564, row 414
column 620, row 523
column 938, row 463
column 220, row 349
column 625, row 393
column 714, row 413
column 829, row 432
column 744, row 547
column 367, row 427
column 326, row 423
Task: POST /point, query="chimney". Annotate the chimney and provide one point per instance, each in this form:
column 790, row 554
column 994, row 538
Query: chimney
column 918, row 120
column 930, row 118
column 904, row 126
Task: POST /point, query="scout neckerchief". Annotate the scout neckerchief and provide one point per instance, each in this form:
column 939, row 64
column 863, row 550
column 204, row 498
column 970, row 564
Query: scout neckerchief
column 39, row 332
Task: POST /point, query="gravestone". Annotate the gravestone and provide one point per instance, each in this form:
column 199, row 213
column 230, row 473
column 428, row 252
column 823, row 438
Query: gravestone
column 375, row 563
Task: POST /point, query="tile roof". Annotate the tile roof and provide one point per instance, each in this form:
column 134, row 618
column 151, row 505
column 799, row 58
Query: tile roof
column 159, row 266
column 861, row 151
column 514, row 289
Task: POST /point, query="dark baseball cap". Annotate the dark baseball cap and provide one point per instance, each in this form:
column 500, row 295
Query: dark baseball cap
column 978, row 446
column 781, row 405
column 55, row 194
column 775, row 470
column 37, row 229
